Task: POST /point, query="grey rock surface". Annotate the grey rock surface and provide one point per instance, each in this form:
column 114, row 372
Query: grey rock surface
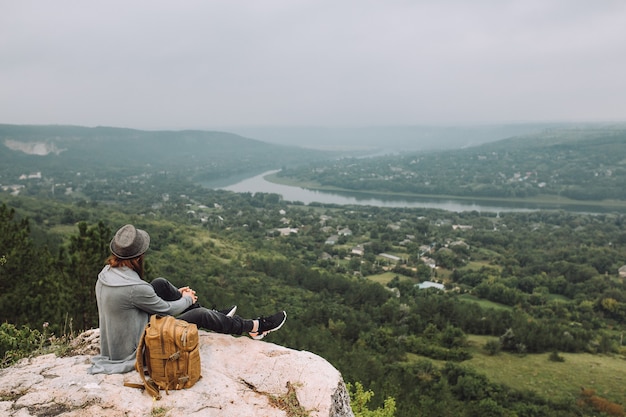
column 240, row 377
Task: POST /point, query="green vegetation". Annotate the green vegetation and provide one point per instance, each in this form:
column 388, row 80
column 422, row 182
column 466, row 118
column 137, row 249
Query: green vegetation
column 556, row 167
column 485, row 304
column 71, row 158
column 553, row 379
column 521, row 290
column 17, row 342
column 359, row 399
column 383, row 278
column 158, row 412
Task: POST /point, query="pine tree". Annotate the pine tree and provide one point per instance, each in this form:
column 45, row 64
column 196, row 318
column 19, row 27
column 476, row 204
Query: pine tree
column 85, row 257
column 18, row 277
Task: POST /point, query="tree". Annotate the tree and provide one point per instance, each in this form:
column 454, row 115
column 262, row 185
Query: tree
column 25, row 281
column 86, row 254
column 452, row 337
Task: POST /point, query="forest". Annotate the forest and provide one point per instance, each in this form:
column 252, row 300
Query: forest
column 529, row 320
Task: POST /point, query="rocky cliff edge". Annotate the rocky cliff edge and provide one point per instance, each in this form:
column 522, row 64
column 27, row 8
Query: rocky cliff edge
column 240, row 377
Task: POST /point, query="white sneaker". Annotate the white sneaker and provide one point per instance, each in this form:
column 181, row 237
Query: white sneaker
column 230, row 311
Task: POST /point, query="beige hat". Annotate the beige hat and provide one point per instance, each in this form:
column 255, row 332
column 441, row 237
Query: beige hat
column 129, row 242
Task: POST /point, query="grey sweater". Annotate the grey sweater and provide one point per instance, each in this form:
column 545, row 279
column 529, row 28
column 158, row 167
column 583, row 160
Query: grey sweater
column 125, row 303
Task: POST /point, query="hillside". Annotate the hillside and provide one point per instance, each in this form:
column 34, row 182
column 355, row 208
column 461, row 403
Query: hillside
column 586, row 164
column 389, row 139
column 199, row 154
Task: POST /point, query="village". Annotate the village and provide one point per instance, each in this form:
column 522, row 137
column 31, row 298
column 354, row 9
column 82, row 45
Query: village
column 421, row 248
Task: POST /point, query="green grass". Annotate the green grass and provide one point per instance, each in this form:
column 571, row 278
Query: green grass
column 555, row 380
column 551, row 380
column 385, row 277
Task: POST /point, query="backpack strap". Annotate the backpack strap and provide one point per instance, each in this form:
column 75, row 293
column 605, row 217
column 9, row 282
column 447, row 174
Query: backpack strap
column 149, row 385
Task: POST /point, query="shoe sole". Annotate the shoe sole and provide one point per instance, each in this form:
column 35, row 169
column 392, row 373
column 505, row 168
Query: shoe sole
column 259, row 336
column 232, row 311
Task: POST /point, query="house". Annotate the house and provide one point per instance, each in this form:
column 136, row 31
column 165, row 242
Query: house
column 36, row 176
column 332, row 240
column 286, row 231
column 461, row 227
column 424, row 249
column 430, row 262
column 324, row 218
column 390, row 257
column 345, row 232
column 358, row 250
column 622, row 272
column 15, row 189
column 429, row 284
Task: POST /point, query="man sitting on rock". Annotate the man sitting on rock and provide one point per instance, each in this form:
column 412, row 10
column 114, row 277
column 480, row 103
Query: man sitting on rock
column 126, row 302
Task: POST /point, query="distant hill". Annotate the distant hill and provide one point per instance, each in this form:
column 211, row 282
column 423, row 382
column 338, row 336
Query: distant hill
column 86, row 149
column 389, row 139
column 577, row 163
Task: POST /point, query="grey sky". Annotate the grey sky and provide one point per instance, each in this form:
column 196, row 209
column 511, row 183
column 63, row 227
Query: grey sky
column 202, row 64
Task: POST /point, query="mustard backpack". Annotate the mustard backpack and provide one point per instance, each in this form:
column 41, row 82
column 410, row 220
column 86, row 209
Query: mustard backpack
column 168, row 352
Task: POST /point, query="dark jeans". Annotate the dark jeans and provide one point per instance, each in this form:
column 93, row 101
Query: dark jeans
column 200, row 316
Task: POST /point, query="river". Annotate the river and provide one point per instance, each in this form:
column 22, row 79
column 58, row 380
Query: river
column 258, row 183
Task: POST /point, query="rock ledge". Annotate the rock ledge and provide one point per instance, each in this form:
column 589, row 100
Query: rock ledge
column 240, row 377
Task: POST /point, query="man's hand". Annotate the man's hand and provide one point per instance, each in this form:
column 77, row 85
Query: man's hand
column 188, row 292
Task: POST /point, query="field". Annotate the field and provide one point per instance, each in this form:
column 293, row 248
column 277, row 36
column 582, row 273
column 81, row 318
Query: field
column 603, row 373
column 483, row 303
column 384, row 278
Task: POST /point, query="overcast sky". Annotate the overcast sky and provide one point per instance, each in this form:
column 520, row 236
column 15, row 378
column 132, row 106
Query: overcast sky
column 203, row 64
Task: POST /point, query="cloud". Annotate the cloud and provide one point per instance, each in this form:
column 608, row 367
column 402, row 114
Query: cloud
column 197, row 64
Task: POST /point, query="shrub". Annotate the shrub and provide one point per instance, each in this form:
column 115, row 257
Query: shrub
column 493, row 347
column 17, row 343
column 555, row 357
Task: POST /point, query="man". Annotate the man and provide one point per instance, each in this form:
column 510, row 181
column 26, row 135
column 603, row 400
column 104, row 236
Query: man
column 126, row 302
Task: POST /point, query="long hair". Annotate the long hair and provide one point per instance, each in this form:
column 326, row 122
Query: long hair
column 136, row 264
